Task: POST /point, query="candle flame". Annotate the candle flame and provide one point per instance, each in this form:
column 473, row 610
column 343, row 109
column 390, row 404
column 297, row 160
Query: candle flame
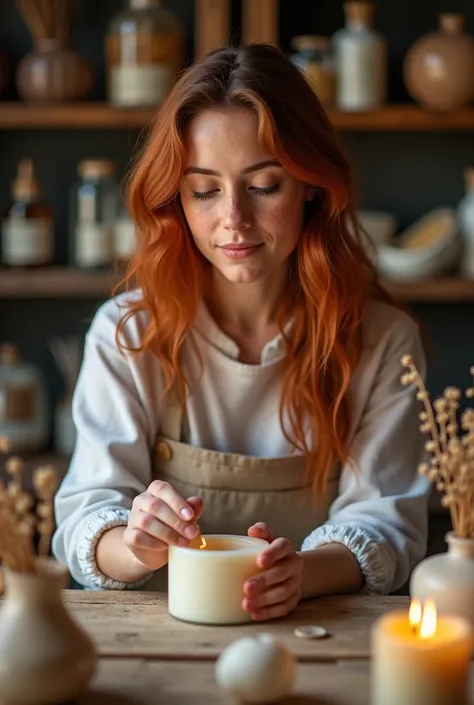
column 429, row 620
column 203, row 542
column 415, row 613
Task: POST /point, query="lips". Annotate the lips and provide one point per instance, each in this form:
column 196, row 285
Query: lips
column 241, row 250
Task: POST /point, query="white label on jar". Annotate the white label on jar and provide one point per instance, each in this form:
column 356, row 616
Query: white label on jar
column 94, row 245
column 362, row 74
column 124, row 238
column 140, row 84
column 26, row 242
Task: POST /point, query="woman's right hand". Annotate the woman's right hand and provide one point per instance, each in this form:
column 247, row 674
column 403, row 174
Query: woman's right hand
column 160, row 517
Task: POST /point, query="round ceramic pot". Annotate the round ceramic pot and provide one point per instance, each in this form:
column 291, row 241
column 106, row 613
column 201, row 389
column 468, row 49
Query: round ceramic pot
column 448, row 579
column 53, row 73
column 45, row 656
column 439, row 67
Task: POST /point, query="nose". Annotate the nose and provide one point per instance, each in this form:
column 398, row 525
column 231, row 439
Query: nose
column 238, row 215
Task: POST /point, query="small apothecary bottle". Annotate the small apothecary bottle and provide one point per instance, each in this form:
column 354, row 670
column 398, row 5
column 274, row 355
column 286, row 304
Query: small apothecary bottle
column 24, row 411
column 361, row 60
column 28, row 226
column 144, row 51
column 314, row 59
column 95, row 208
column 465, row 215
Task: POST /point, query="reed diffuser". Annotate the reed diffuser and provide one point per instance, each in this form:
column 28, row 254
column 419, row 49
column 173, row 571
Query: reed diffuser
column 53, row 71
column 45, row 656
column 448, row 578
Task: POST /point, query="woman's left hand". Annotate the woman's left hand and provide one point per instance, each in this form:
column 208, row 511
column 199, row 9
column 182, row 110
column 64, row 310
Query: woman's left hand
column 275, row 591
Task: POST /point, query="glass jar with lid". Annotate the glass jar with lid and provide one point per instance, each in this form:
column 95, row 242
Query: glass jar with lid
column 95, row 206
column 144, row 52
column 314, row 58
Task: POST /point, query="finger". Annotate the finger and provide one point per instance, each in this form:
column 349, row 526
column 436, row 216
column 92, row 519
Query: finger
column 278, row 549
column 154, row 508
column 138, row 541
column 197, row 505
column 273, row 576
column 260, row 530
column 276, row 611
column 276, row 594
column 166, row 492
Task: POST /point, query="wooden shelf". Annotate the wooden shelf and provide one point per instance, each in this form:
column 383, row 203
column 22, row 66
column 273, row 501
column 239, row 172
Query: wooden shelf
column 102, row 116
column 72, row 116
column 56, row 282
column 452, row 289
column 60, row 282
column 406, row 118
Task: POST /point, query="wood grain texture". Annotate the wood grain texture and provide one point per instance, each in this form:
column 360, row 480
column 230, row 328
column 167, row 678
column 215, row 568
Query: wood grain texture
column 140, row 682
column 260, row 21
column 212, row 25
column 138, row 624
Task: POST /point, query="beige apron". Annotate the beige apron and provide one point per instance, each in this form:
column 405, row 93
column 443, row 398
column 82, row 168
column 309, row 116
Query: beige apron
column 238, row 490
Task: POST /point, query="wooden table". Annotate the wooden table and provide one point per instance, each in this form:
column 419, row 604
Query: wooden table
column 149, row 658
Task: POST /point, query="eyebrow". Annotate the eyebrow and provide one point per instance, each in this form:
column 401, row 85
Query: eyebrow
column 255, row 167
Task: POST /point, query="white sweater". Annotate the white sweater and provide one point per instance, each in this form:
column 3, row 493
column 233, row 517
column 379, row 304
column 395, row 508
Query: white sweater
column 234, row 408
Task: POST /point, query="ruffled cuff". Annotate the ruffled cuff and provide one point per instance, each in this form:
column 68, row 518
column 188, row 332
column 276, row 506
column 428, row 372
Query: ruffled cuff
column 375, row 558
column 88, row 534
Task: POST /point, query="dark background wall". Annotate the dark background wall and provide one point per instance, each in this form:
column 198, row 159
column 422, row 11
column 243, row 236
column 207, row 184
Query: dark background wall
column 407, row 173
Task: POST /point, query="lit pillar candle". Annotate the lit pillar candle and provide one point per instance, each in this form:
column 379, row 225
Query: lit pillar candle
column 420, row 659
column 206, row 579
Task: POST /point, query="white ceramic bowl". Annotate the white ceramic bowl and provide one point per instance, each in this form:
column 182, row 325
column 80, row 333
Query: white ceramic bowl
column 428, row 247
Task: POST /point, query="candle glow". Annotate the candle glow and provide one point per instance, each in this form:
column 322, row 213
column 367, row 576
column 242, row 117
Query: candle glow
column 420, row 658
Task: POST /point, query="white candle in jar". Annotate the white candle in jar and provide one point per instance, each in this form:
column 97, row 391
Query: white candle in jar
column 420, row 658
column 206, row 579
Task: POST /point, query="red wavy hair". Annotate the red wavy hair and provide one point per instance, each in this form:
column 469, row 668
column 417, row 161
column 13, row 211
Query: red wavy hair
column 331, row 280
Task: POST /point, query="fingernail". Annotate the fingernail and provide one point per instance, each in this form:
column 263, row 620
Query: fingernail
column 251, row 584
column 187, row 513
column 191, row 531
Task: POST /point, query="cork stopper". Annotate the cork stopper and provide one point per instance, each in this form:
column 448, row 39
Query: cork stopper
column 361, row 13
column 96, row 168
column 452, row 23
column 469, row 178
column 9, row 354
column 310, row 42
column 26, row 186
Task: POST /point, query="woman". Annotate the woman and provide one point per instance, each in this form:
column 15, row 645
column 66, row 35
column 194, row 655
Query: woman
column 251, row 382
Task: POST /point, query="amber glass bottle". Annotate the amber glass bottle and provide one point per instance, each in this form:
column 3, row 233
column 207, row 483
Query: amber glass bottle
column 144, row 52
column 27, row 227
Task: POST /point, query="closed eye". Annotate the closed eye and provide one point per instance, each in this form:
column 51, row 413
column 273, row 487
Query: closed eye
column 204, row 195
column 265, row 191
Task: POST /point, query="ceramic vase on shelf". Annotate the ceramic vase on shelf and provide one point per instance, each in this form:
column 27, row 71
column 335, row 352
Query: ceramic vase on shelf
column 448, row 578
column 53, row 71
column 45, row 656
column 439, row 67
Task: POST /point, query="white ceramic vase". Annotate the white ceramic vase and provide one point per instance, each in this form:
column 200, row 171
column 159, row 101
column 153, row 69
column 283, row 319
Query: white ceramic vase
column 448, row 579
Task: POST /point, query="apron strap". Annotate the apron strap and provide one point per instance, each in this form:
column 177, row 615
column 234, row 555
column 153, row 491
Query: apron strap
column 172, row 417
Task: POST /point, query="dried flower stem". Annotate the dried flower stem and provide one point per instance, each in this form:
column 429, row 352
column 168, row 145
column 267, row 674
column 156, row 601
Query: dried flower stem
column 18, row 519
column 452, row 462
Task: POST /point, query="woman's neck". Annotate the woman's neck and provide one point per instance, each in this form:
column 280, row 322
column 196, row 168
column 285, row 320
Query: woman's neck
column 247, row 313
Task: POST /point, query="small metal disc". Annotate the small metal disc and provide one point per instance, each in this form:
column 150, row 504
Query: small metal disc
column 310, row 631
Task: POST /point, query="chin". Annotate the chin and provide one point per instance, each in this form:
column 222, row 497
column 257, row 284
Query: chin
column 242, row 274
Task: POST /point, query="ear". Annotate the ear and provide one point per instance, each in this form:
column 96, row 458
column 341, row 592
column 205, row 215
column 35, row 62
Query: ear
column 310, row 193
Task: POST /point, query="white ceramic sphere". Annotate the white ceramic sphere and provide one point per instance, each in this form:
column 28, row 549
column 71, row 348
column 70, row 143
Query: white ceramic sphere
column 257, row 669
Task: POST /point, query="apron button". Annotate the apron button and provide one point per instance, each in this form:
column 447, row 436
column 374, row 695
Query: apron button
column 164, row 451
